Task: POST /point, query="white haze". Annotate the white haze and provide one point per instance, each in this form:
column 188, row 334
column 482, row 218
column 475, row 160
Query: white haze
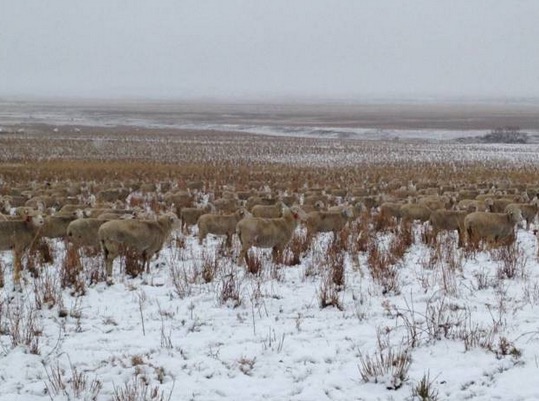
column 269, row 49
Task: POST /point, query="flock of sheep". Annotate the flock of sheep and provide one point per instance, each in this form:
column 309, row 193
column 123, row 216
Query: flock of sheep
column 143, row 217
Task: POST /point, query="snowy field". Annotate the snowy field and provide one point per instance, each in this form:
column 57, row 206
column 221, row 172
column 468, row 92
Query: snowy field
column 376, row 315
column 465, row 321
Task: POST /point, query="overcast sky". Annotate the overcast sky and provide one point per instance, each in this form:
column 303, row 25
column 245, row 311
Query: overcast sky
column 305, row 48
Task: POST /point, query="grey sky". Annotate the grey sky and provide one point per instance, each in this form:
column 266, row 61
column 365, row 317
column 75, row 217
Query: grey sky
column 273, row 48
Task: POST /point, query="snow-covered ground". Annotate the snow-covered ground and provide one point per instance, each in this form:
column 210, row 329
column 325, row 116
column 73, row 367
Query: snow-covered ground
column 473, row 332
column 13, row 113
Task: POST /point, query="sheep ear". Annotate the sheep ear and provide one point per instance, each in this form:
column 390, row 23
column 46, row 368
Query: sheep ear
column 535, row 232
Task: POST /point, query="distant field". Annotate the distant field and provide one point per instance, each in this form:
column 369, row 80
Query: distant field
column 378, row 310
column 363, row 121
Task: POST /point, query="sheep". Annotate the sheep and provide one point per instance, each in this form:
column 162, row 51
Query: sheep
column 369, row 202
column 356, row 209
column 5, row 205
column 319, row 205
column 113, row 216
column 448, row 220
column 473, row 205
column 391, row 209
column 190, row 215
column 41, row 202
column 23, row 211
column 145, row 237
column 179, row 199
column 493, row 227
column 314, row 198
column 224, row 205
column 435, row 202
column 528, row 210
column 415, row 211
column 289, row 200
column 269, row 212
column 84, row 232
column 113, row 195
column 96, row 212
column 254, row 200
column 19, row 235
column 15, row 200
column 333, row 221
column 269, row 233
column 72, row 208
column 218, row 224
column 56, row 226
column 499, row 205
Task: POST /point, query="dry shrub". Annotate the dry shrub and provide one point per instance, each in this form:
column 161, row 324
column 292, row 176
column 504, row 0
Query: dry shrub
column 343, row 237
column 253, row 262
column 246, row 365
column 37, row 255
column 132, row 262
column 504, row 348
column 75, row 386
column 230, row 290
column 382, row 222
column 94, row 269
column 388, row 365
column 475, row 335
column 297, row 247
column 22, row 325
column 180, row 280
column 424, row 390
column 335, row 260
column 440, row 320
column 361, row 234
column 47, row 291
column 179, row 242
column 328, row 294
column 382, row 271
column 210, row 267
column 401, row 241
column 138, row 389
column 511, row 261
column 71, row 272
column 447, row 261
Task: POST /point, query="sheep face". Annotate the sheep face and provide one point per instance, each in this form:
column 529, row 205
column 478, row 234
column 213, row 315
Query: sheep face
column 36, row 220
column 171, row 219
column 296, row 212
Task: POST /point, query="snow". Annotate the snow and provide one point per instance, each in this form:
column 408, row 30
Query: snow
column 474, row 332
column 278, row 344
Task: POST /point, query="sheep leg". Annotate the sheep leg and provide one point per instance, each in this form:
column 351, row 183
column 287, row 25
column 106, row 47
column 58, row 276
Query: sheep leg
column 110, row 254
column 461, row 241
column 276, row 254
column 145, row 262
column 17, row 268
column 201, row 236
column 243, row 255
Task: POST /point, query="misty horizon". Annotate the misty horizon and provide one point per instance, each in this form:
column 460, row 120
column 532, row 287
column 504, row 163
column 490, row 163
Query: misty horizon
column 316, row 51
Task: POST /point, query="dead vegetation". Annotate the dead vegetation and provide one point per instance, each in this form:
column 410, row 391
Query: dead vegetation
column 372, row 246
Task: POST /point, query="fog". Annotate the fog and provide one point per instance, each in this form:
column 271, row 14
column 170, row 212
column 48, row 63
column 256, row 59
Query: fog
column 304, row 49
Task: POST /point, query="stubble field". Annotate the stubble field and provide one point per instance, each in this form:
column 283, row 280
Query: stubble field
column 376, row 311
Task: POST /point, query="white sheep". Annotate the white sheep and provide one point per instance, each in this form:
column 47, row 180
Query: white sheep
column 269, row 233
column 19, row 235
column 217, row 224
column 492, row 227
column 144, row 237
